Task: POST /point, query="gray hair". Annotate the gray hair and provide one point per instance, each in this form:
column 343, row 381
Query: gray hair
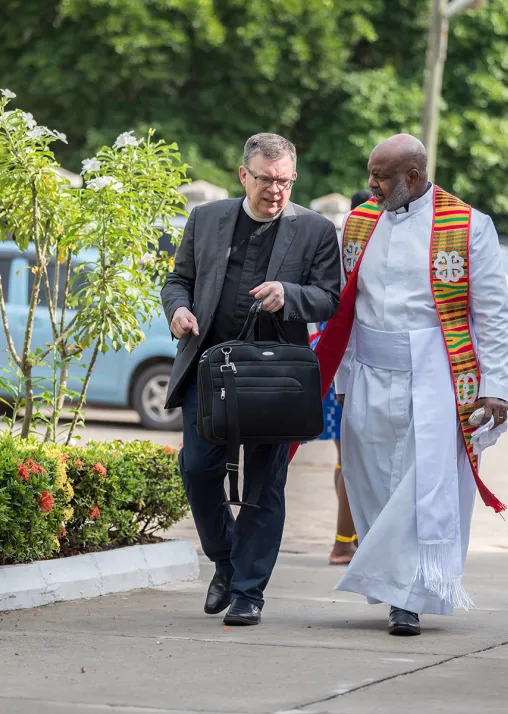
column 272, row 146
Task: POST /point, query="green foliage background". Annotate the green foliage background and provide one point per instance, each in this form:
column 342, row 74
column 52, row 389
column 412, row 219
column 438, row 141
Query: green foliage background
column 334, row 76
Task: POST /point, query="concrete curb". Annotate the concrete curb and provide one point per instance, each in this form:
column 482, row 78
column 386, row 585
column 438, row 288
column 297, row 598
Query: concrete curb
column 81, row 576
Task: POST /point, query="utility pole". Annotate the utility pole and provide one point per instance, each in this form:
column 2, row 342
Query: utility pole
column 437, row 47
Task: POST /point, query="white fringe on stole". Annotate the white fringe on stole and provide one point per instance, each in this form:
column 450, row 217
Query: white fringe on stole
column 437, row 569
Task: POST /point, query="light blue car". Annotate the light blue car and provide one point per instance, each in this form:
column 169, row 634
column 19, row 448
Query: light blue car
column 137, row 380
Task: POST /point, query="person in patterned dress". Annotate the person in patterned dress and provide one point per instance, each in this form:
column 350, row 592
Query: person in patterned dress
column 346, row 540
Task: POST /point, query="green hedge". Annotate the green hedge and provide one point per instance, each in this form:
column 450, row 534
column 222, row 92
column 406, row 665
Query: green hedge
column 64, row 500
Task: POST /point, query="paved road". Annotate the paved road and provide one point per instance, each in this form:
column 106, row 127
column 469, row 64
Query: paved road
column 155, row 652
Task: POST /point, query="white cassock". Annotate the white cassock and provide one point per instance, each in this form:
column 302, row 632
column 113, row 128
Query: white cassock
column 399, row 421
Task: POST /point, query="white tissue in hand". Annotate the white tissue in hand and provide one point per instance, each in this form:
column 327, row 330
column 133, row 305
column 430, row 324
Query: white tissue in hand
column 486, row 436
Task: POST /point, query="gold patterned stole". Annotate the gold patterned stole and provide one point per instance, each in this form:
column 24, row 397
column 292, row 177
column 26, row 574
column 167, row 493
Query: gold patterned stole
column 449, row 274
column 449, row 265
column 360, row 226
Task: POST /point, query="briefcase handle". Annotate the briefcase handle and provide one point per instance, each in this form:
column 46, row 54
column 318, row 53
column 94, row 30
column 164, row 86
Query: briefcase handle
column 252, row 318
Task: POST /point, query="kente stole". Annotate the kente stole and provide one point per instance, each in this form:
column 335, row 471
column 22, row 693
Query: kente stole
column 449, row 270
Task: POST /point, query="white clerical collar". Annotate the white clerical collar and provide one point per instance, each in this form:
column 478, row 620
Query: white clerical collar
column 248, row 211
column 418, row 203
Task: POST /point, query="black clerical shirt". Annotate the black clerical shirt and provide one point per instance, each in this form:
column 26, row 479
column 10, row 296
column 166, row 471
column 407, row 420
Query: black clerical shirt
column 251, row 250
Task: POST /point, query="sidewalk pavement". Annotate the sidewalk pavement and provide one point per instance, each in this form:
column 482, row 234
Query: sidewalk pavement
column 316, row 651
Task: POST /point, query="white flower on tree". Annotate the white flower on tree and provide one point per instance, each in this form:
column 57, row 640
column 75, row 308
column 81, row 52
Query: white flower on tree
column 104, row 182
column 10, row 118
column 147, row 259
column 42, row 132
column 125, row 139
column 7, row 93
column 39, row 132
column 90, row 165
column 29, row 120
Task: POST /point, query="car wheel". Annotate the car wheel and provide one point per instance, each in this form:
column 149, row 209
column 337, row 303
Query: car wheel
column 149, row 396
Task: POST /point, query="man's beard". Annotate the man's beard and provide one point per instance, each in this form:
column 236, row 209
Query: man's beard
column 398, row 198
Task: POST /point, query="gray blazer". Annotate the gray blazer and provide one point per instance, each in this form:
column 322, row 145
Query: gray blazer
column 305, row 259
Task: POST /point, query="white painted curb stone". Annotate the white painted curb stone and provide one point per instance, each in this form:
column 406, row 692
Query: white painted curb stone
column 81, row 576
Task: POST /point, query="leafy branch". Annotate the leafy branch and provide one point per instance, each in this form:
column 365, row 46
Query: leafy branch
column 102, row 238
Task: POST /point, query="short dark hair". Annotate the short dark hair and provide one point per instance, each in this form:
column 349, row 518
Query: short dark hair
column 360, row 197
column 272, row 146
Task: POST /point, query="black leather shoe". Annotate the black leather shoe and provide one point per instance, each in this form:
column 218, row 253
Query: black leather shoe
column 242, row 612
column 218, row 596
column 403, row 623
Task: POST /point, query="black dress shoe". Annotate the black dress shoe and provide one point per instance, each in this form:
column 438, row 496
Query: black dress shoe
column 218, row 596
column 403, row 623
column 242, row 612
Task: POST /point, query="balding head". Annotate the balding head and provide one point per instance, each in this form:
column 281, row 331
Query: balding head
column 398, row 171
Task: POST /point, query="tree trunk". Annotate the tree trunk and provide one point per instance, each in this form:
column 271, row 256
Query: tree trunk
column 437, row 46
column 82, row 396
column 58, row 403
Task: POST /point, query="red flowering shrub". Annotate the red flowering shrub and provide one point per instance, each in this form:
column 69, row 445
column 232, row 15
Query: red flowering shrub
column 51, row 498
column 94, row 498
column 23, row 472
column 47, row 501
column 142, row 493
column 34, row 467
column 32, row 501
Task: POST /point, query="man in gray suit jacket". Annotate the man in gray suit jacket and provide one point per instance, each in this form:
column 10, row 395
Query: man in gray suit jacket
column 261, row 247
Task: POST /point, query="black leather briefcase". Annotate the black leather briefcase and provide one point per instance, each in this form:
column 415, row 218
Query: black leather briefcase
column 254, row 391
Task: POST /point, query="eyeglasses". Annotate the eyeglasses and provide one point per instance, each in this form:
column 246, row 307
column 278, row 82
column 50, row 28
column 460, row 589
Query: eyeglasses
column 265, row 182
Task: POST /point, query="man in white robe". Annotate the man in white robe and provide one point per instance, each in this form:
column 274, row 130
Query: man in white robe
column 381, row 454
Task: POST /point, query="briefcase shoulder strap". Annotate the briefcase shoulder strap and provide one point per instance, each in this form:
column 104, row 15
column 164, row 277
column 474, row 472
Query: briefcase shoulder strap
column 233, row 445
column 233, row 421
